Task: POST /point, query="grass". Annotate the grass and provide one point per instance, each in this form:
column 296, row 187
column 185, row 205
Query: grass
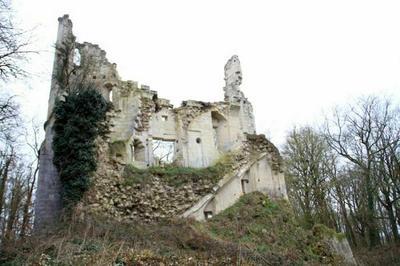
column 269, row 226
column 254, row 231
column 384, row 255
column 179, row 176
column 104, row 242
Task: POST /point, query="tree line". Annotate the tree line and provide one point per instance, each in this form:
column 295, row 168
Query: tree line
column 345, row 173
column 19, row 146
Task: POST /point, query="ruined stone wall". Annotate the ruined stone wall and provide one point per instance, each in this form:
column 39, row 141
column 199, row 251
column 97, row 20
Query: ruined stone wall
column 233, row 95
column 126, row 101
column 163, row 125
column 151, row 199
column 74, row 64
column 200, row 133
column 48, row 198
column 258, row 168
column 198, row 139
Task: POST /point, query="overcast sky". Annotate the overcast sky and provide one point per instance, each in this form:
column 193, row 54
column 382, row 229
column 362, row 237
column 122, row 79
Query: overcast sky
column 299, row 58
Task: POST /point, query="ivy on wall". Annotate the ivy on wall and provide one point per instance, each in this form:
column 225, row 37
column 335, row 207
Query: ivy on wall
column 79, row 119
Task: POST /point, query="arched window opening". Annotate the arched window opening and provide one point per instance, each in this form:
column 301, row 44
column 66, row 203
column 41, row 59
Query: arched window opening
column 220, row 133
column 110, row 95
column 77, row 57
column 138, row 151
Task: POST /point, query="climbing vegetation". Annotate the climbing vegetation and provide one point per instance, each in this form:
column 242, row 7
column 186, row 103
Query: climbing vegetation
column 79, row 119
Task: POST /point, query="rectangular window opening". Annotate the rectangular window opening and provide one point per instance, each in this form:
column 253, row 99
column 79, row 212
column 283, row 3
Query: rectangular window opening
column 163, row 151
column 244, row 182
column 208, row 214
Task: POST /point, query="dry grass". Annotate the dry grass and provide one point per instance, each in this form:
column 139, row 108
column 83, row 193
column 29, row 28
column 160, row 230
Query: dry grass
column 255, row 231
column 384, row 255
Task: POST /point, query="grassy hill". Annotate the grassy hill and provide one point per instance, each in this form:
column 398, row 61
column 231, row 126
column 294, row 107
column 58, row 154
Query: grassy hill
column 254, row 231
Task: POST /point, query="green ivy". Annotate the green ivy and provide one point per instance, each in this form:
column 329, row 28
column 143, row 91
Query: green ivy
column 79, row 119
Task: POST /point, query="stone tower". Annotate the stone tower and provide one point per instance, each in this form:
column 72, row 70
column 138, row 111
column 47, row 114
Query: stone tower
column 48, row 198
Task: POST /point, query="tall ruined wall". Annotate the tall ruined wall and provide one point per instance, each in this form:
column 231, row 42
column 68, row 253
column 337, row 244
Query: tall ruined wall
column 74, row 64
column 233, row 95
column 48, row 200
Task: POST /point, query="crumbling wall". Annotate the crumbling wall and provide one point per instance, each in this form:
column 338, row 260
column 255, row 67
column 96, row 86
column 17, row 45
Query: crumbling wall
column 163, row 124
column 200, row 133
column 151, row 200
column 69, row 74
column 259, row 168
column 127, row 102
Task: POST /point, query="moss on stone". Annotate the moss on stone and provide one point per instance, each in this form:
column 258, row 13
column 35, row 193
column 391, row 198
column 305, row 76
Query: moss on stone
column 323, row 231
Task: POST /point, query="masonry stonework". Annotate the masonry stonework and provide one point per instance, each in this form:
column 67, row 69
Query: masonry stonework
column 147, row 130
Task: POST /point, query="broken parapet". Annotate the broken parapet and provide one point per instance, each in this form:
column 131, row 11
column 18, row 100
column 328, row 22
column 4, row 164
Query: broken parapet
column 164, row 103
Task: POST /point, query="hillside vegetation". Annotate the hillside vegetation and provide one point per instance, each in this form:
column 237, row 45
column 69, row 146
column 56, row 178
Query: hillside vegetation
column 254, row 231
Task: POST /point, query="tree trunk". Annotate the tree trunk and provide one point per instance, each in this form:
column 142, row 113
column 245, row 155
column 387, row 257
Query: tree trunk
column 392, row 221
column 26, row 212
column 372, row 229
column 13, row 212
column 3, row 184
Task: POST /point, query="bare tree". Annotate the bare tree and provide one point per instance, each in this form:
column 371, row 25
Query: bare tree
column 14, row 203
column 355, row 133
column 387, row 166
column 308, row 162
column 7, row 160
column 30, row 180
column 14, row 44
column 9, row 118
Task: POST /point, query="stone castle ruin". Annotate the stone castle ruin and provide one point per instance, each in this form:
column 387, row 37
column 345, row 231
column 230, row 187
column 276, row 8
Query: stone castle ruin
column 147, row 131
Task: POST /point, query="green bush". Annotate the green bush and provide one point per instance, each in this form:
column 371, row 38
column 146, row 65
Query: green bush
column 79, row 120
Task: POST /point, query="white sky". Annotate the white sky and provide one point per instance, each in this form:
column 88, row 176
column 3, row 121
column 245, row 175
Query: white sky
column 299, row 58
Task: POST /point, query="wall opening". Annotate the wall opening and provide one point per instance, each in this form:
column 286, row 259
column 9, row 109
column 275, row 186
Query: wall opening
column 163, row 151
column 77, row 57
column 220, row 132
column 138, row 151
column 208, row 214
column 110, row 95
column 244, row 185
